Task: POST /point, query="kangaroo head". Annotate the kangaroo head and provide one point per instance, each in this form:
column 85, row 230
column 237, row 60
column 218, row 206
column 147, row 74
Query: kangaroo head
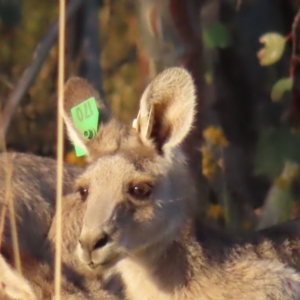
column 137, row 190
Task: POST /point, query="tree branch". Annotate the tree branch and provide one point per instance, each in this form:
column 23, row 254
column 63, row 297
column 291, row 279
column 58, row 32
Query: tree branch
column 90, row 66
column 295, row 70
column 40, row 53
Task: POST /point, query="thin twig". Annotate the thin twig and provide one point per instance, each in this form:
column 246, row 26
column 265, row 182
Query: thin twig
column 91, row 48
column 128, row 58
column 12, row 215
column 294, row 43
column 293, row 63
column 5, row 82
column 4, row 205
column 31, row 72
column 2, row 221
column 60, row 144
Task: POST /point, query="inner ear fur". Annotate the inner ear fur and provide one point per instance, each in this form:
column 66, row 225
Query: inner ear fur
column 167, row 109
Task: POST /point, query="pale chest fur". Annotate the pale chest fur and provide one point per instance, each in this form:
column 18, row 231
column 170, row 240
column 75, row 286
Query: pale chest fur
column 140, row 286
column 259, row 280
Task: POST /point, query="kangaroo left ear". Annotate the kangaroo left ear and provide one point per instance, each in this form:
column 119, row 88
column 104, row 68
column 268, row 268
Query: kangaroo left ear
column 167, row 109
column 76, row 91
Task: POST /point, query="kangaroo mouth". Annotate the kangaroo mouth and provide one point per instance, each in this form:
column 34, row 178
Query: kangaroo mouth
column 109, row 262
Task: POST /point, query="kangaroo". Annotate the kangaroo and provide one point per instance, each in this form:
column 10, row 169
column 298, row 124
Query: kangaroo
column 213, row 249
column 78, row 282
column 13, row 285
column 33, row 188
column 72, row 217
column 32, row 185
column 38, row 281
column 140, row 206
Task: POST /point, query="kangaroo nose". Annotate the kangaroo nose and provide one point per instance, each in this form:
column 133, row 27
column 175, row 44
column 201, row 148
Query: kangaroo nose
column 90, row 243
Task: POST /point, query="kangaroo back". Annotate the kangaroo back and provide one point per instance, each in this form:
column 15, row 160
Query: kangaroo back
column 32, row 185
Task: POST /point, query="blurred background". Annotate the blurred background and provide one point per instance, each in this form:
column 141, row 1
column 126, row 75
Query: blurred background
column 244, row 150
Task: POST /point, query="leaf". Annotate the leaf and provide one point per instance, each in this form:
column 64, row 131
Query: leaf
column 274, row 45
column 275, row 147
column 278, row 204
column 216, row 35
column 209, row 77
column 281, row 86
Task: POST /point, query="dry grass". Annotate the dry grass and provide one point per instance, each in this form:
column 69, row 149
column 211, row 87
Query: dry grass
column 60, row 143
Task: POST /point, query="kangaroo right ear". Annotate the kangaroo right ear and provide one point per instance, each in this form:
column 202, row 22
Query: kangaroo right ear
column 76, row 91
column 167, row 109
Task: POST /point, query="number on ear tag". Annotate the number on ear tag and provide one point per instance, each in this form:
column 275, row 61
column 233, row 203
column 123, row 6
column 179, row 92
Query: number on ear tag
column 86, row 119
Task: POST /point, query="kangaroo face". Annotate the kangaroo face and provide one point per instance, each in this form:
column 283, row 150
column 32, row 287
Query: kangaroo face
column 130, row 207
column 136, row 187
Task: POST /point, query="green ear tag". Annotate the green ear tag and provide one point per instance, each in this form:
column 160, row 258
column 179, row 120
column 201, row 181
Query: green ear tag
column 86, row 119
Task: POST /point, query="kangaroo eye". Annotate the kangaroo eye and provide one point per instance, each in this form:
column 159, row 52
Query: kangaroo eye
column 83, row 192
column 141, row 190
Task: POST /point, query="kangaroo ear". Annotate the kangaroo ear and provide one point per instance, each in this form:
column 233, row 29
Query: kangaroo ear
column 167, row 109
column 76, row 91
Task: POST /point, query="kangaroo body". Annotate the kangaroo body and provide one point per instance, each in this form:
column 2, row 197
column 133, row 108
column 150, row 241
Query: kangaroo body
column 134, row 210
column 37, row 282
column 140, row 206
column 207, row 273
column 32, row 186
column 33, row 191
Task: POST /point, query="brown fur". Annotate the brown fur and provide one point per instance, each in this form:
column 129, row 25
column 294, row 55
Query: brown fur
column 151, row 242
column 33, row 186
column 39, row 282
column 33, row 189
column 149, row 236
column 72, row 216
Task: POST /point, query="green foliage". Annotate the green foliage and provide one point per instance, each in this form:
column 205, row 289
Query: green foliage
column 281, row 86
column 275, row 147
column 274, row 45
column 209, row 77
column 216, row 36
column 278, row 204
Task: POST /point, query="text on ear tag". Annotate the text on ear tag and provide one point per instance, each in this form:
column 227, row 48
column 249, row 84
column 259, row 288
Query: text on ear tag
column 86, row 118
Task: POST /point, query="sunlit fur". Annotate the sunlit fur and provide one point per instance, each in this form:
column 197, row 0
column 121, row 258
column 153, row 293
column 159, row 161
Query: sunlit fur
column 32, row 186
column 37, row 281
column 33, row 189
column 151, row 241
